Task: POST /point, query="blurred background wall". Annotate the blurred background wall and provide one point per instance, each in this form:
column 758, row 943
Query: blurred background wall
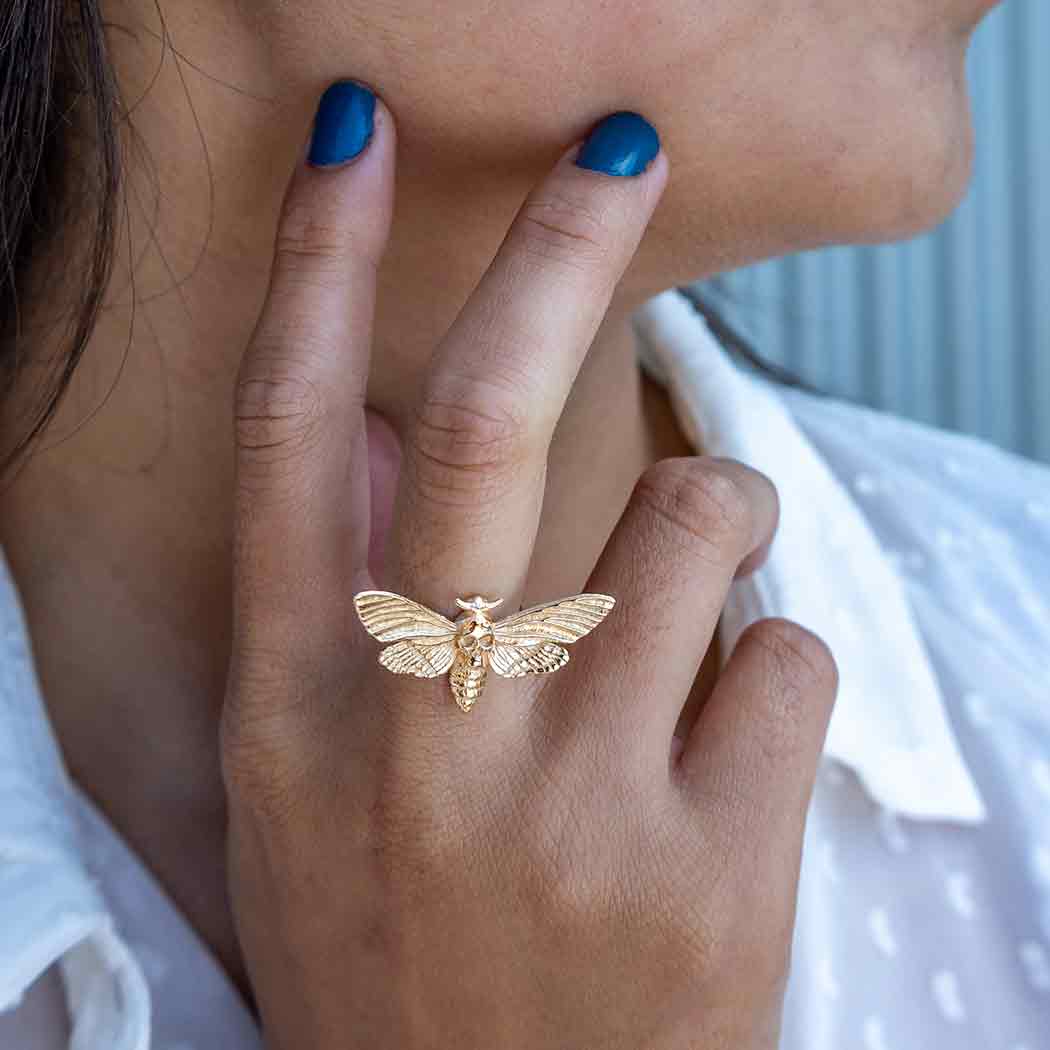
column 952, row 328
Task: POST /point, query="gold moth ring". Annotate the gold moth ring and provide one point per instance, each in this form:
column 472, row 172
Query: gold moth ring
column 427, row 644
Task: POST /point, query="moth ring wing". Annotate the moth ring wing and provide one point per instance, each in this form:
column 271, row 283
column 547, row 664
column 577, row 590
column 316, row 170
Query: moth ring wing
column 421, row 661
column 516, row 661
column 565, row 621
column 390, row 617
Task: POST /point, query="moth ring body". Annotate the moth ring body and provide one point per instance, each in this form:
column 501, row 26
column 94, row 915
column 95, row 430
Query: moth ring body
column 426, row 644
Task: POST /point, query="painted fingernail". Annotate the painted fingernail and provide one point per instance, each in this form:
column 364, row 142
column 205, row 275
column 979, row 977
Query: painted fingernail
column 343, row 125
column 622, row 144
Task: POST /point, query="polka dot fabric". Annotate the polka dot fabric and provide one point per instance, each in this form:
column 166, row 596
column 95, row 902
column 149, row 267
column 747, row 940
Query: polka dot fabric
column 923, row 935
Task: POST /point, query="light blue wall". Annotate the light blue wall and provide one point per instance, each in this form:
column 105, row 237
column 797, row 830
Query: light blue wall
column 952, row 328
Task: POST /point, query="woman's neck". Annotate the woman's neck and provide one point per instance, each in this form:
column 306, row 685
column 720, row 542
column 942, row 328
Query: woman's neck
column 118, row 529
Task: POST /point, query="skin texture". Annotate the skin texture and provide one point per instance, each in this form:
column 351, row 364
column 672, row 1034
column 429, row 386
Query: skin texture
column 787, row 124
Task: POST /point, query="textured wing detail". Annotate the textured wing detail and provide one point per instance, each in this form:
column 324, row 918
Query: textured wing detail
column 565, row 621
column 514, row 661
column 423, row 661
column 391, row 618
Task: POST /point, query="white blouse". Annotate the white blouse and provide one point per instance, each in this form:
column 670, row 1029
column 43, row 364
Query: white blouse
column 921, row 557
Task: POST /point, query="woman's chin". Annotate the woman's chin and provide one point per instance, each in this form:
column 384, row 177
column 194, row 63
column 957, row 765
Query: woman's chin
column 913, row 165
column 937, row 146
column 921, row 194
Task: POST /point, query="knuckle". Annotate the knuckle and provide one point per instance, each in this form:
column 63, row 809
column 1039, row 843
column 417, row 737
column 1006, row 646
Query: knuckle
column 314, row 247
column 466, row 453
column 567, row 230
column 708, row 509
column 277, row 413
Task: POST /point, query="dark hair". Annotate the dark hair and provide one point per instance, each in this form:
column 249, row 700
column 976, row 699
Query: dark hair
column 60, row 163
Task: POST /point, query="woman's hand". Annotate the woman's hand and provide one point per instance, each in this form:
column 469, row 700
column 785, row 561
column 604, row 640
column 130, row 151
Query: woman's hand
column 544, row 872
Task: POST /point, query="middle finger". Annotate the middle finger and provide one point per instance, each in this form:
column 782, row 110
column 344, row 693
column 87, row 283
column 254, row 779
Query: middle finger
column 472, row 482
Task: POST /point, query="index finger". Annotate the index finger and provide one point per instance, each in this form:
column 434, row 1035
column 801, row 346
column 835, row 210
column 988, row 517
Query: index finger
column 302, row 500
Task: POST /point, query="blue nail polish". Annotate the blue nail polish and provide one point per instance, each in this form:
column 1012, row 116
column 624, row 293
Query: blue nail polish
column 622, row 144
column 343, row 125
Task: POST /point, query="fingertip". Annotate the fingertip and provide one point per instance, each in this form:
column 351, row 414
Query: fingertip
column 628, row 151
column 340, row 197
column 350, row 123
column 343, row 125
column 622, row 144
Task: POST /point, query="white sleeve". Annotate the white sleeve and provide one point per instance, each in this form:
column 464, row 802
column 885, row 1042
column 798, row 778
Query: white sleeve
column 53, row 916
